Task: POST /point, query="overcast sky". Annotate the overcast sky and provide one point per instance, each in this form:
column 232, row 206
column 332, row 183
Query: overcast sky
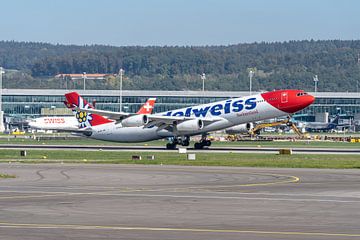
column 177, row 22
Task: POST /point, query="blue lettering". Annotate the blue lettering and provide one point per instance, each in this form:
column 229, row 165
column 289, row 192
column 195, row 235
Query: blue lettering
column 201, row 112
column 179, row 114
column 250, row 103
column 227, row 106
column 237, row 106
column 215, row 110
column 188, row 112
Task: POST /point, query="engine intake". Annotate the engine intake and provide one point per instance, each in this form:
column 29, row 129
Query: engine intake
column 190, row 126
column 135, row 121
column 240, row 129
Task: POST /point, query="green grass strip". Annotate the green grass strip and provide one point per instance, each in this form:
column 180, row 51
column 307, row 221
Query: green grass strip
column 174, row 158
column 2, row 175
column 280, row 144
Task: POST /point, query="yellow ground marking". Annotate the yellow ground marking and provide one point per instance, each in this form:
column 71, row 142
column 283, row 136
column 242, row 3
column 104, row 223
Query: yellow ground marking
column 291, row 179
column 58, row 194
column 161, row 229
column 35, row 196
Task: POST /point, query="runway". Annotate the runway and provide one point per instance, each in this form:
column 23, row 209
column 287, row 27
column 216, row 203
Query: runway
column 70, row 201
column 163, row 149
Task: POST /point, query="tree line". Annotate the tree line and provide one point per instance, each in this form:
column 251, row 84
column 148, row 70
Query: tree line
column 276, row 65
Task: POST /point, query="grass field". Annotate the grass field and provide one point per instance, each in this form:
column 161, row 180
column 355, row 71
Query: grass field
column 87, row 141
column 174, row 158
column 2, row 175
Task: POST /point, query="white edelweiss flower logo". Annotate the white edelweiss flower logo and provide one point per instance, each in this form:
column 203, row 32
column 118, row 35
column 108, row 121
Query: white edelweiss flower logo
column 83, row 118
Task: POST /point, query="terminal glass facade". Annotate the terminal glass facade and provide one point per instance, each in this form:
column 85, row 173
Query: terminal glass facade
column 34, row 104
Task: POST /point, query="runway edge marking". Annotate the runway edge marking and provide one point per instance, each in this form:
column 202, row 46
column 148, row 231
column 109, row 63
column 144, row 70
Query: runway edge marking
column 99, row 227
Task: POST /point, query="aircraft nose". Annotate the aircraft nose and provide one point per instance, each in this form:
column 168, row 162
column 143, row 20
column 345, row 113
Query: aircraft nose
column 288, row 101
column 310, row 99
column 297, row 103
column 303, row 102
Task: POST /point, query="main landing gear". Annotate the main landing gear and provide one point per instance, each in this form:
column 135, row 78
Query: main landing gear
column 203, row 142
column 183, row 141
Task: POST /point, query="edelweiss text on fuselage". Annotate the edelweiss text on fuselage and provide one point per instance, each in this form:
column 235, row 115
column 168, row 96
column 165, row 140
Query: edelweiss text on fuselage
column 218, row 109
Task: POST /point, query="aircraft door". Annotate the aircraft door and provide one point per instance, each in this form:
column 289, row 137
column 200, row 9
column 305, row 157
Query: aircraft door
column 284, row 97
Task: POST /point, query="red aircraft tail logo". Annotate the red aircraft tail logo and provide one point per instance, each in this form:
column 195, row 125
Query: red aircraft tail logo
column 74, row 100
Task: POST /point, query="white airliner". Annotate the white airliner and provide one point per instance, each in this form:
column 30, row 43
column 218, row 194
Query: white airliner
column 71, row 123
column 68, row 123
column 182, row 123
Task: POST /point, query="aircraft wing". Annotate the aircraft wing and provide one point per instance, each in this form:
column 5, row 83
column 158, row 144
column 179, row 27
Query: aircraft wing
column 160, row 120
column 118, row 116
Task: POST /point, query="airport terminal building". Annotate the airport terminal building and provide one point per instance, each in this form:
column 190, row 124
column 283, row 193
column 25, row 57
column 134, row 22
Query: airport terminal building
column 36, row 102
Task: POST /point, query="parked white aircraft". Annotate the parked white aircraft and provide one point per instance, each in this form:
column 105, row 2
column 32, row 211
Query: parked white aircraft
column 67, row 123
column 71, row 123
column 182, row 123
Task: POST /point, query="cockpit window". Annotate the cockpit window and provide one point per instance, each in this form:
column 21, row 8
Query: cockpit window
column 301, row 94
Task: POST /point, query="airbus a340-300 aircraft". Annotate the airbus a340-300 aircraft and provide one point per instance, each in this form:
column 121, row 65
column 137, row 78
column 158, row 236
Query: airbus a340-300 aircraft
column 182, row 123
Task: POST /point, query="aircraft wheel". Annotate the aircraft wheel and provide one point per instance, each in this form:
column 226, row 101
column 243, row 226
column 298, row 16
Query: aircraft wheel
column 170, row 146
column 198, row 146
column 186, row 143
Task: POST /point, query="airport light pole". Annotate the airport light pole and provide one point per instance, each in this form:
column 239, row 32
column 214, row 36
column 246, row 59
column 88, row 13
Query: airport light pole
column 316, row 80
column 251, row 74
column 1, row 78
column 84, row 78
column 64, row 79
column 357, row 81
column 121, row 72
column 203, row 77
column 1, row 112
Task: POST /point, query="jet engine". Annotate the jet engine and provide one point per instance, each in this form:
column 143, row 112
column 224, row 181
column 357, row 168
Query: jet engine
column 240, row 129
column 135, row 121
column 190, row 126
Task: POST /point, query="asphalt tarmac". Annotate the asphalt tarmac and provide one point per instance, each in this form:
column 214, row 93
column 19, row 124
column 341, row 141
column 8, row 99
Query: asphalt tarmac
column 69, row 201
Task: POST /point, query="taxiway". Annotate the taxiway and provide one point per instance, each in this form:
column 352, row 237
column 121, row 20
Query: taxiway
column 70, row 201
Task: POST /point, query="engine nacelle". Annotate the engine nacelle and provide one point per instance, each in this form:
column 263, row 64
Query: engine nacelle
column 190, row 126
column 135, row 121
column 240, row 129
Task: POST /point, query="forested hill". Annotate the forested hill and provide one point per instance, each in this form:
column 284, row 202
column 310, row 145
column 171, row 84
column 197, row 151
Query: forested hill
column 277, row 65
